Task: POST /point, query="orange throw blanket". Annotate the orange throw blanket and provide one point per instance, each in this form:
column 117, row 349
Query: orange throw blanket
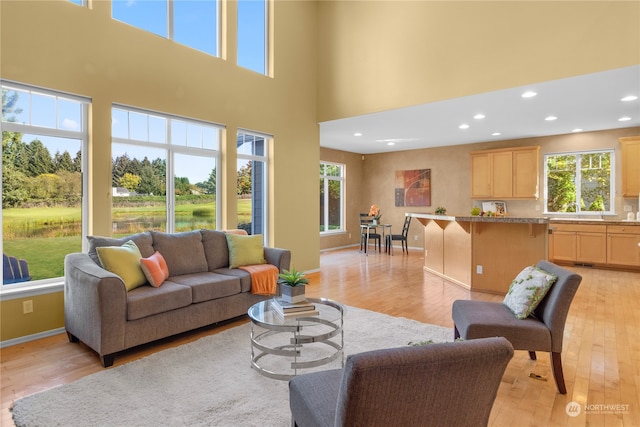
column 263, row 278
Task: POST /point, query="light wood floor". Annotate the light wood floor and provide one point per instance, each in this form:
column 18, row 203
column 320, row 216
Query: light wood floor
column 601, row 356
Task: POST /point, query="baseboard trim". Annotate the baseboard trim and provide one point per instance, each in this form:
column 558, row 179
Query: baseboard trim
column 32, row 337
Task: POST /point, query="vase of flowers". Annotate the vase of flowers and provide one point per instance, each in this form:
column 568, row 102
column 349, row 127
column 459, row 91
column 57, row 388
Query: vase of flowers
column 374, row 211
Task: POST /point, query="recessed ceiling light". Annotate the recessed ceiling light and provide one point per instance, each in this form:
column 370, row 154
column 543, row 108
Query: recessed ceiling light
column 577, row 130
column 357, row 134
column 391, row 143
column 529, row 94
column 629, row 98
column 479, row 116
column 463, row 126
column 624, row 119
column 550, row 118
column 496, row 134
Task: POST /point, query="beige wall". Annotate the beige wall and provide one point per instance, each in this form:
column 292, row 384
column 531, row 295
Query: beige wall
column 61, row 46
column 451, row 180
column 380, row 55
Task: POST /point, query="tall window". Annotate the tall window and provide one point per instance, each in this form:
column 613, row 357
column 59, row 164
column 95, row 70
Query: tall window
column 44, row 136
column 193, row 23
column 164, row 172
column 331, row 197
column 579, row 182
column 252, row 183
column 252, row 35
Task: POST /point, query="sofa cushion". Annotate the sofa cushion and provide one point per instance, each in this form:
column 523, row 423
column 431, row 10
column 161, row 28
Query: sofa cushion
column 142, row 240
column 244, row 276
column 245, row 250
column 215, row 249
column 155, row 269
column 183, row 252
column 125, row 262
column 147, row 301
column 207, row 286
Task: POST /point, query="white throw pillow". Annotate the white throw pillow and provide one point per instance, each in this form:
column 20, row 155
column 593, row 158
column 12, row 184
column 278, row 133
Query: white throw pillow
column 527, row 290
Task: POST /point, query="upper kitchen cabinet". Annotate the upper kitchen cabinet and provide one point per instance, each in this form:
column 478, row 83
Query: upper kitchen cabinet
column 630, row 166
column 507, row 173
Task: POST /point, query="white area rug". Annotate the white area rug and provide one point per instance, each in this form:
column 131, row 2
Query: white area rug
column 208, row 382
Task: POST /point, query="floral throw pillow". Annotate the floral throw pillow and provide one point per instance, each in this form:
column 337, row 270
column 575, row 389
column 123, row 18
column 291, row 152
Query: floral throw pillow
column 527, row 290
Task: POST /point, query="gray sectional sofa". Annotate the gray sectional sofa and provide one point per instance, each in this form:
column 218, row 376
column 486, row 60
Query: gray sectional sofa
column 201, row 290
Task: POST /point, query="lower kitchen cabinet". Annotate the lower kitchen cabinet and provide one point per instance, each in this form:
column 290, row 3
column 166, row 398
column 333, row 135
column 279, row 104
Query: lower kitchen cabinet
column 623, row 245
column 579, row 243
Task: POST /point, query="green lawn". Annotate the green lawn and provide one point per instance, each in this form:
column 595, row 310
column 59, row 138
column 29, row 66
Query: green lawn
column 45, row 255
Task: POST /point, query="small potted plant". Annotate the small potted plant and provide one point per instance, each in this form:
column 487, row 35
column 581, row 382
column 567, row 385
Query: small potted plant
column 292, row 284
column 441, row 210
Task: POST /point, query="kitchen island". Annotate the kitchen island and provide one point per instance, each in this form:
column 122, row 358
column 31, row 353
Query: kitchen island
column 482, row 253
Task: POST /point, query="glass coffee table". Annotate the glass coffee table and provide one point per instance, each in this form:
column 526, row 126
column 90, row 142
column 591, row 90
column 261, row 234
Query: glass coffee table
column 282, row 346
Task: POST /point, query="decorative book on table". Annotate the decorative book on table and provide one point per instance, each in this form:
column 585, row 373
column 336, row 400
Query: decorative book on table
column 293, row 309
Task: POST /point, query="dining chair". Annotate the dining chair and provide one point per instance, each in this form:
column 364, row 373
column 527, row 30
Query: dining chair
column 373, row 234
column 403, row 237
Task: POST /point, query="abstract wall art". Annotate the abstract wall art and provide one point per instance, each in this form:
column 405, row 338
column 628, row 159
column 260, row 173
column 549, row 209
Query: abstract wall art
column 413, row 187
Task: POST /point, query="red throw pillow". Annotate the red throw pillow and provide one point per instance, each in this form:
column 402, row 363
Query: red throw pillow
column 155, row 269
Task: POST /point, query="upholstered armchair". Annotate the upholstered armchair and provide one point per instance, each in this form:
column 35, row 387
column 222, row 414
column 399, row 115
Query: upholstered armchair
column 543, row 330
column 448, row 384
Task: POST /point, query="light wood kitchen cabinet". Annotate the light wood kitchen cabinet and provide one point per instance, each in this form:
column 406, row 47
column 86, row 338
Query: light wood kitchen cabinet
column 630, row 166
column 525, row 173
column 480, row 176
column 508, row 173
column 623, row 245
column 579, row 243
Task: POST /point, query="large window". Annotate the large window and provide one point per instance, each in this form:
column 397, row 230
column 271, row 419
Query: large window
column 252, row 182
column 579, row 183
column 193, row 23
column 331, row 197
column 252, row 35
column 164, row 172
column 44, row 136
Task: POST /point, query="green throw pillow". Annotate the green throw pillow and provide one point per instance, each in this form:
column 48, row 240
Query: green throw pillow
column 245, row 250
column 125, row 262
column 527, row 290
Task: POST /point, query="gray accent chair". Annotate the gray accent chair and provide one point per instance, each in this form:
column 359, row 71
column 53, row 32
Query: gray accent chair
column 542, row 331
column 447, row 384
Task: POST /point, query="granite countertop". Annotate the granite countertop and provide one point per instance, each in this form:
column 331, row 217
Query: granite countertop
column 522, row 220
column 460, row 218
column 592, row 221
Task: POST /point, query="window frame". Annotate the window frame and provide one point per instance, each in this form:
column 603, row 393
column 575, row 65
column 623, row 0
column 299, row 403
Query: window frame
column 172, row 149
column 578, row 180
column 170, row 27
column 265, row 179
column 342, row 180
column 265, row 64
column 34, row 287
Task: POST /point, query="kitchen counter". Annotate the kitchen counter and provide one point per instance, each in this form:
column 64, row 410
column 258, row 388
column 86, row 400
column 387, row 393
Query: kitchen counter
column 482, row 253
column 593, row 221
column 522, row 220
column 503, row 219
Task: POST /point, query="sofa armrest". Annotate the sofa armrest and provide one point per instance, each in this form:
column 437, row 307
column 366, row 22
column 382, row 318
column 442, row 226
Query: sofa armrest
column 281, row 258
column 95, row 304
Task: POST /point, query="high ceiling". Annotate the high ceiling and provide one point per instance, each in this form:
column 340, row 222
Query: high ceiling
column 589, row 102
